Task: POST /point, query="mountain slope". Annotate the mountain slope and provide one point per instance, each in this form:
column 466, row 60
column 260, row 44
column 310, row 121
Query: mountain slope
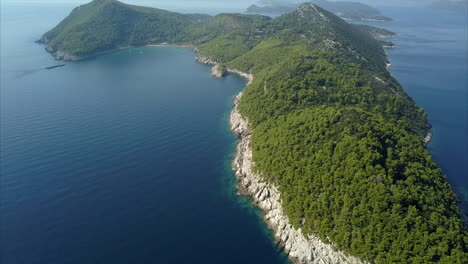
column 227, row 36
column 104, row 25
column 377, row 32
column 327, row 31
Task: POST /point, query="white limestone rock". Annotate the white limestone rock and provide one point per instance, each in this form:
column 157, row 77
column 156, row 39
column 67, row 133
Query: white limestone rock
column 310, row 250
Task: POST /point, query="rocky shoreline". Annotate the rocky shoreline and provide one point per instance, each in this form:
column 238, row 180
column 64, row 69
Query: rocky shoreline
column 310, row 250
column 428, row 137
column 220, row 71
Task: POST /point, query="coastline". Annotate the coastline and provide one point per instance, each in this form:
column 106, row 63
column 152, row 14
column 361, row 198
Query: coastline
column 64, row 56
column 429, row 133
column 298, row 248
column 216, row 72
column 428, row 137
column 175, row 45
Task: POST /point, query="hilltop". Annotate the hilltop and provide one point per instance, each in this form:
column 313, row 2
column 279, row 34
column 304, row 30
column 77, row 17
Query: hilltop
column 327, row 125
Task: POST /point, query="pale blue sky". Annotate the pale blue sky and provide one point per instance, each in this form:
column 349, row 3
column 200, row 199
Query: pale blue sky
column 229, row 3
column 204, row 6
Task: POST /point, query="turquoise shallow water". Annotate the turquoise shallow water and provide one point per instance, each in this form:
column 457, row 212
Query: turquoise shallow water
column 126, row 158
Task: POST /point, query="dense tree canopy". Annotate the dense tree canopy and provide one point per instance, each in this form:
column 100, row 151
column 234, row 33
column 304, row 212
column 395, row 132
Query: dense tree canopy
column 362, row 183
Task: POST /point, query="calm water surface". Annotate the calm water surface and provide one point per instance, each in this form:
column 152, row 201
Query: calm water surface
column 126, row 158
column 120, row 159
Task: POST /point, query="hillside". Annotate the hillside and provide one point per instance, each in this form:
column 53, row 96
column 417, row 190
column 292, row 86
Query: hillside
column 330, row 127
column 343, row 9
column 104, row 25
column 377, row 32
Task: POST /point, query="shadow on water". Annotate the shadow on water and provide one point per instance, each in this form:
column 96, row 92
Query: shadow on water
column 23, row 73
column 26, row 72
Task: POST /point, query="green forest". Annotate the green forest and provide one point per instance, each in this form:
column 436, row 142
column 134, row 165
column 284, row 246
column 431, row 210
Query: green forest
column 330, row 126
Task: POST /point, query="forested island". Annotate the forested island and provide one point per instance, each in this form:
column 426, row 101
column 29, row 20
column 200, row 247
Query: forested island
column 343, row 9
column 332, row 137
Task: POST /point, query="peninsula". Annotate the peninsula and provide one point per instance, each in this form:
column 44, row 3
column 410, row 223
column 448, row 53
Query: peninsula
column 330, row 145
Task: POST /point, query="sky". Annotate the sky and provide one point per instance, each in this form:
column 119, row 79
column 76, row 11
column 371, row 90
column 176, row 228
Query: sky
column 226, row 3
column 204, row 6
column 179, row 5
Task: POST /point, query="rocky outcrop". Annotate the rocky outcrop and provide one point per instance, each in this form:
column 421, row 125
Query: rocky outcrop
column 300, row 249
column 57, row 54
column 218, row 71
column 43, row 40
column 60, row 55
column 247, row 76
column 203, row 59
column 428, row 137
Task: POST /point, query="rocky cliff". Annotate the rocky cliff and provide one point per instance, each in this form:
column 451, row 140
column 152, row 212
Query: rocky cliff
column 310, row 250
column 57, row 54
column 220, row 72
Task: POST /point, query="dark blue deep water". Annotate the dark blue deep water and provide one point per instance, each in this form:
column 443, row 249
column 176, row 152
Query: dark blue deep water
column 120, row 159
column 126, row 158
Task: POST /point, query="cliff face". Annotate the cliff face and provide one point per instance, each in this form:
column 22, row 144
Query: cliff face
column 300, row 249
column 202, row 59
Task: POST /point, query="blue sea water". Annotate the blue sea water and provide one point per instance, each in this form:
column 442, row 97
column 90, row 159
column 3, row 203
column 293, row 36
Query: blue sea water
column 126, row 158
column 121, row 159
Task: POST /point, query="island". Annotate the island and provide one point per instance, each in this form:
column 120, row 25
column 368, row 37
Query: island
column 343, row 9
column 451, row 5
column 331, row 147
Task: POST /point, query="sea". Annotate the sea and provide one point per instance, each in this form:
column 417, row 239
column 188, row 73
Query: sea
column 126, row 158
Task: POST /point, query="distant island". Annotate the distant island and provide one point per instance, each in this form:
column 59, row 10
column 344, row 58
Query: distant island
column 343, row 9
column 451, row 5
column 331, row 147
